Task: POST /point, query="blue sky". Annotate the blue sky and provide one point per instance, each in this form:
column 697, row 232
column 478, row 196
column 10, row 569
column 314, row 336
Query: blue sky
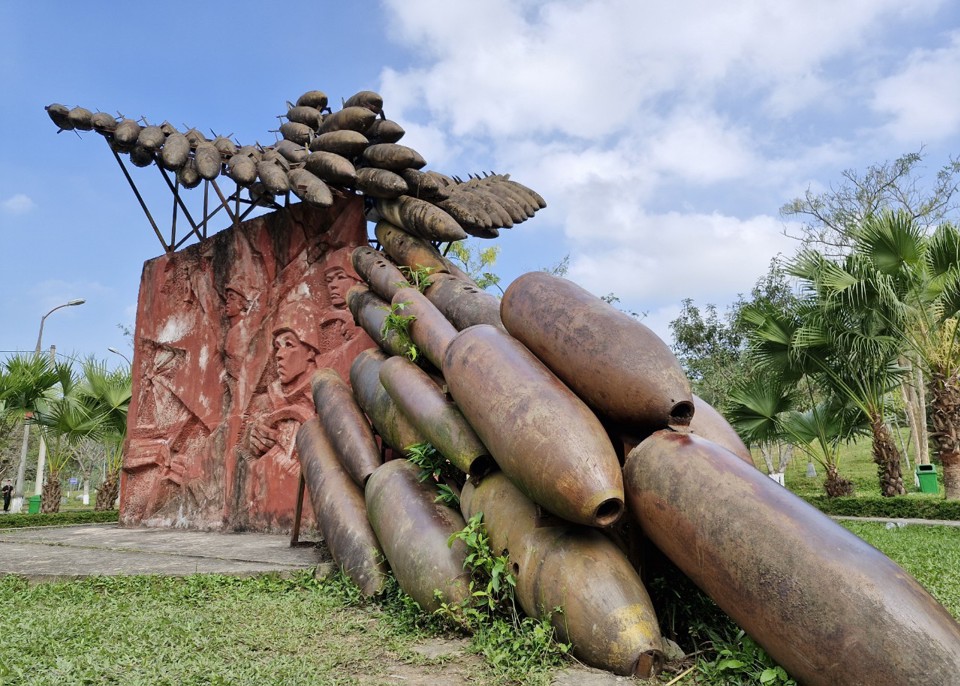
column 664, row 136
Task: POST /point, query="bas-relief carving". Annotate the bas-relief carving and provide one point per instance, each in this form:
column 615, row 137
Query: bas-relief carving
column 229, row 333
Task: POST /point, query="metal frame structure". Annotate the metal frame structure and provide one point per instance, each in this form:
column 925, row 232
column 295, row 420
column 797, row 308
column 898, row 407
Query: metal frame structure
column 196, row 228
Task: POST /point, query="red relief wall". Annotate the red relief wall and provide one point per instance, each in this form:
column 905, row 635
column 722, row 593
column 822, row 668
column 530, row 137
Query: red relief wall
column 228, row 335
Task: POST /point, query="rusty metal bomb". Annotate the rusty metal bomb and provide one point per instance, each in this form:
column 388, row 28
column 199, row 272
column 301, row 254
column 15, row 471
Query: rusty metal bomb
column 413, row 530
column 614, row 363
column 339, row 505
column 381, row 274
column 710, row 424
column 463, row 302
column 415, row 252
column 429, row 329
column 605, row 611
column 543, row 437
column 436, row 416
column 822, row 602
column 391, row 424
column 370, row 312
column 345, row 425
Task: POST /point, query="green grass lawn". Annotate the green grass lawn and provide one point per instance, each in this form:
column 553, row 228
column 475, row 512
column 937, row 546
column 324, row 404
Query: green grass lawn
column 856, row 464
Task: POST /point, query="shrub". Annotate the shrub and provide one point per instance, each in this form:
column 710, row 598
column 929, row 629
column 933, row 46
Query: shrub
column 901, row 507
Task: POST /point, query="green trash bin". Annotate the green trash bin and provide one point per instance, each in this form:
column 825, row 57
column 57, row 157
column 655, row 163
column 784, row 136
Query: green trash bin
column 33, row 506
column 927, row 478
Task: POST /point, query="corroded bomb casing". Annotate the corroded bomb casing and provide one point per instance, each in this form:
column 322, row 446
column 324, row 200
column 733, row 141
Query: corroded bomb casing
column 436, row 416
column 616, row 364
column 344, row 424
column 430, row 330
column 823, row 603
column 341, row 511
column 508, row 515
column 393, row 426
column 370, row 312
column 605, row 611
column 413, row 530
column 710, row 424
column 543, row 437
column 382, row 275
column 463, row 302
column 415, row 252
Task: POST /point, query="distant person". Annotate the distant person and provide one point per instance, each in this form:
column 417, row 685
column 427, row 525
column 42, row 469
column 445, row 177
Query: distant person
column 7, row 494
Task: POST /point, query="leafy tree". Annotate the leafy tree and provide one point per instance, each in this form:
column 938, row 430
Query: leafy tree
column 833, row 216
column 710, row 347
column 477, row 263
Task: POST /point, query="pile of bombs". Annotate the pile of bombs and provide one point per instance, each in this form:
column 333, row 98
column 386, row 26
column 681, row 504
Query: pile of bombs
column 322, row 152
column 568, row 418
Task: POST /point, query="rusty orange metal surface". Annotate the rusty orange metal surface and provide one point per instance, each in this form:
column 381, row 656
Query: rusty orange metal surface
column 415, row 252
column 341, row 512
column 382, row 275
column 345, row 425
column 710, row 424
column 429, row 329
column 436, row 416
column 391, row 424
column 413, row 530
column 462, row 302
column 543, row 437
column 616, row 364
column 822, row 602
column 604, row 609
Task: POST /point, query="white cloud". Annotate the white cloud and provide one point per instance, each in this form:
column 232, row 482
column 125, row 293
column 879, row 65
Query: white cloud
column 922, row 99
column 589, row 69
column 18, row 204
column 659, row 259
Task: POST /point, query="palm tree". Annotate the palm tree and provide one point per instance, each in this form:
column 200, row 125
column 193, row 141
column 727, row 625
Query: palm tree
column 917, row 280
column 853, row 350
column 65, row 420
column 764, row 409
column 107, row 393
column 788, row 364
column 28, row 380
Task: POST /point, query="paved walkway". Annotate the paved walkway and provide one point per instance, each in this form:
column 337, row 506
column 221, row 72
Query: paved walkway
column 71, row 552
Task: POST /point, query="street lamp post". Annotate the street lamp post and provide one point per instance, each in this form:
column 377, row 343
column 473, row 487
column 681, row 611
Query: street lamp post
column 117, row 352
column 22, row 467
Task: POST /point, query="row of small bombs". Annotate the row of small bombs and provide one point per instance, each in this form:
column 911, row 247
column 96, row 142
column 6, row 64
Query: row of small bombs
column 354, row 148
column 540, row 399
column 518, row 431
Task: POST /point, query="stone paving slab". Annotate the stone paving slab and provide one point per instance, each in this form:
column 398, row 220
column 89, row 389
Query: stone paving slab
column 107, row 549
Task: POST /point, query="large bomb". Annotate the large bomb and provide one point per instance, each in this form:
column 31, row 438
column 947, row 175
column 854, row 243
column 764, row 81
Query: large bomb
column 382, row 275
column 345, row 426
column 414, row 529
column 615, row 363
column 391, row 424
column 414, row 252
column 826, row 605
column 436, row 416
column 604, row 609
column 370, row 312
column 543, row 437
column 463, row 302
column 429, row 329
column 339, row 506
